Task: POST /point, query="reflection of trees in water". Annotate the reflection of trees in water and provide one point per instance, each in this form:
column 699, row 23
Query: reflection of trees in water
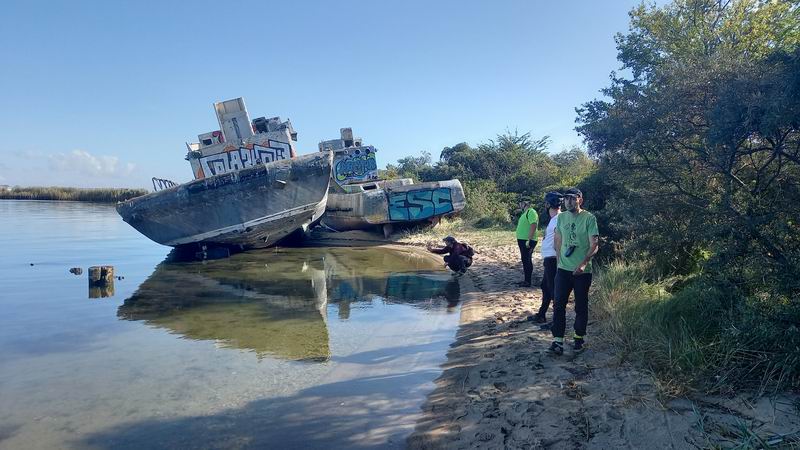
column 275, row 302
column 413, row 289
column 352, row 277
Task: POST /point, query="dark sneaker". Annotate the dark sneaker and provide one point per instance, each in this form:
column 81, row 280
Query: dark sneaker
column 577, row 346
column 556, row 348
column 546, row 326
column 524, row 284
column 539, row 318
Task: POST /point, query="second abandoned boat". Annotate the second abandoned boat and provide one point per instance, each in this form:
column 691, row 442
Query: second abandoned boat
column 359, row 200
column 250, row 188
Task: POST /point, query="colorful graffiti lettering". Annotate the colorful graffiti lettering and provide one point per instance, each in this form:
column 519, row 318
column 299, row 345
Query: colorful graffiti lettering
column 234, row 159
column 417, row 205
column 360, row 166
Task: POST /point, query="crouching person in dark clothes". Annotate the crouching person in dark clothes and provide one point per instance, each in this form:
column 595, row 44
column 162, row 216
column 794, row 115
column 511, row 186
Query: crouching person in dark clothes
column 458, row 255
column 576, row 239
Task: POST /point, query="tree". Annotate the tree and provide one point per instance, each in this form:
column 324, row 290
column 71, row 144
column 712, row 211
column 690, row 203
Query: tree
column 574, row 165
column 411, row 166
column 706, row 132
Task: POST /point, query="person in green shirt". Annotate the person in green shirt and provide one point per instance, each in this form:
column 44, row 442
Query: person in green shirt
column 576, row 240
column 526, row 238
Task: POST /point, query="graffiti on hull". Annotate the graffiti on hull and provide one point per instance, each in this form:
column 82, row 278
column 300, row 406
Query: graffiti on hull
column 357, row 166
column 233, row 159
column 421, row 204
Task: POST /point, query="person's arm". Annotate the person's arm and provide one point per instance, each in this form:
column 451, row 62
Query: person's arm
column 532, row 230
column 532, row 234
column 593, row 244
column 591, row 229
column 557, row 244
column 439, row 251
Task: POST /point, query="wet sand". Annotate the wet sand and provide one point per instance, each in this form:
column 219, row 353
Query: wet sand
column 499, row 388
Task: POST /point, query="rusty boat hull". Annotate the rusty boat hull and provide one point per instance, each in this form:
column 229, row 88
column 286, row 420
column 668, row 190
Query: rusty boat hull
column 392, row 202
column 250, row 208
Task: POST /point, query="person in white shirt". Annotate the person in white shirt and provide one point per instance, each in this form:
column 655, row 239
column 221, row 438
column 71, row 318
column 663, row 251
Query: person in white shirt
column 552, row 202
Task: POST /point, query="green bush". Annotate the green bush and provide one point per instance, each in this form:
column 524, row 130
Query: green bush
column 702, row 335
column 486, row 206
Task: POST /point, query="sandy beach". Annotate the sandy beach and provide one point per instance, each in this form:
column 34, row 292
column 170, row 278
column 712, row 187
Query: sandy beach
column 499, row 388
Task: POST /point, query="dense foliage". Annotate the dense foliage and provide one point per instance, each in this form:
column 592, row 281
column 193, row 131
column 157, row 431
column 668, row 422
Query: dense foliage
column 499, row 173
column 699, row 166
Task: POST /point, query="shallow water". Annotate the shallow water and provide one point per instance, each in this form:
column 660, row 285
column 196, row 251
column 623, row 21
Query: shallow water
column 279, row 348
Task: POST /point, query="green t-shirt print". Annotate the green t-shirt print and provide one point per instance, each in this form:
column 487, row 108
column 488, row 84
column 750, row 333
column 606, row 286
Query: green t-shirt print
column 524, row 223
column 575, row 229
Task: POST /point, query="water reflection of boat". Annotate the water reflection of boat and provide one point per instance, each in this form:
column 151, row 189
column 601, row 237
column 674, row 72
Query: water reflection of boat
column 237, row 303
column 275, row 303
column 396, row 276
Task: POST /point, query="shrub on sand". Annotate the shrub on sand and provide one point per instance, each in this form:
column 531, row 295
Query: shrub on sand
column 697, row 337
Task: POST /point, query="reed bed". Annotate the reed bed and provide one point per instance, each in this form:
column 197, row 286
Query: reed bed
column 94, row 195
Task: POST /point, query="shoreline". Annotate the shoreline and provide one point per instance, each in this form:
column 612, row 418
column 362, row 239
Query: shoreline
column 499, row 389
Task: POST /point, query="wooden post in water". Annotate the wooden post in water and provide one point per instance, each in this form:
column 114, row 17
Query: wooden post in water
column 101, row 281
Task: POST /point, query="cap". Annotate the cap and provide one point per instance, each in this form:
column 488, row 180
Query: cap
column 574, row 192
column 553, row 198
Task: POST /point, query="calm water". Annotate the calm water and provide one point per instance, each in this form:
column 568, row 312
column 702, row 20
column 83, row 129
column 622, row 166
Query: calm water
column 286, row 348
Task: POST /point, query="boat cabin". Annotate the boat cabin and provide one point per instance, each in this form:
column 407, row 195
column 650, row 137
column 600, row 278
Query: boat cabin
column 353, row 163
column 240, row 143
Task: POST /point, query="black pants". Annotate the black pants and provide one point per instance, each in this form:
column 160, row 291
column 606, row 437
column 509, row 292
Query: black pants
column 548, row 284
column 565, row 283
column 525, row 254
column 457, row 263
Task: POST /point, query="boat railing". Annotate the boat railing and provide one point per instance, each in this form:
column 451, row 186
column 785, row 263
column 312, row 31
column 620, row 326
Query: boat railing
column 160, row 184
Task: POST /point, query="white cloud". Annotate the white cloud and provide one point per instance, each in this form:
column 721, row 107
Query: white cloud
column 85, row 163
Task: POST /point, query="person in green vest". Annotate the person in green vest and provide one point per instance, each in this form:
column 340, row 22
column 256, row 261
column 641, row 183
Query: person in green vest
column 576, row 240
column 526, row 238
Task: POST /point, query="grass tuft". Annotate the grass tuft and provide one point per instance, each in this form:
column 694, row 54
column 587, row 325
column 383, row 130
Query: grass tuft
column 696, row 337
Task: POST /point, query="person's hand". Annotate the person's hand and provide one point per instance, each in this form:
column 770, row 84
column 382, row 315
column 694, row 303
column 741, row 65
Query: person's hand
column 531, row 243
column 579, row 270
column 528, row 244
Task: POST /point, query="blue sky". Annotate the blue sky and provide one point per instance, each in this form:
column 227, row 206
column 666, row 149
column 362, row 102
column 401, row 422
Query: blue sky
column 101, row 94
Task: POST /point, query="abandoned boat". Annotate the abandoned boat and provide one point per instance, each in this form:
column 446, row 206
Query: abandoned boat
column 358, row 199
column 250, row 188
